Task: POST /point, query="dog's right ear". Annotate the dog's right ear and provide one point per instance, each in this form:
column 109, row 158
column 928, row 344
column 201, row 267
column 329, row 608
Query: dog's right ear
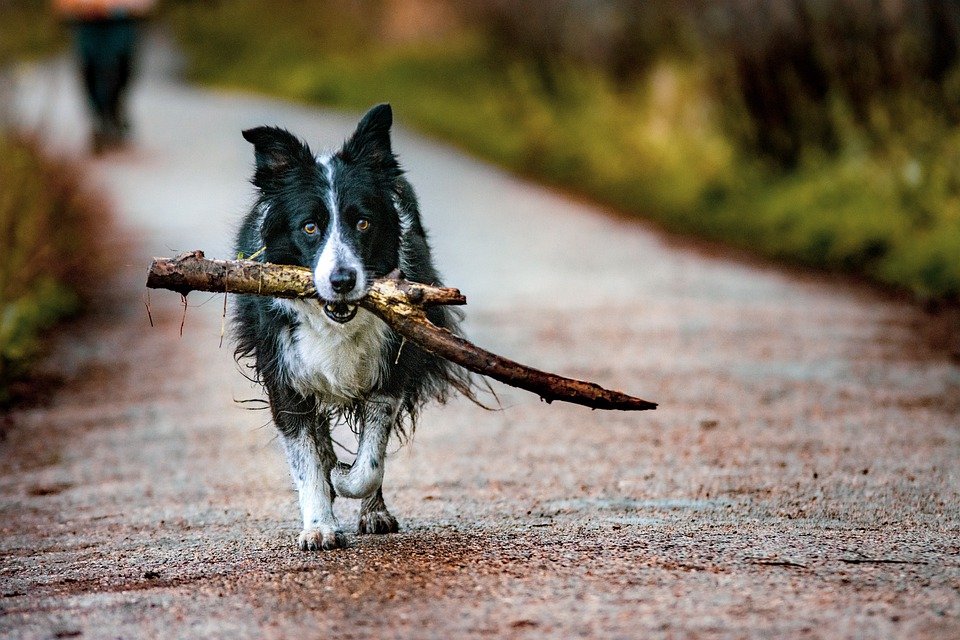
column 276, row 151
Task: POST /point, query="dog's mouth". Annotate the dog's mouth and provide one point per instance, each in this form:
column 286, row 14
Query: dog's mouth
column 341, row 312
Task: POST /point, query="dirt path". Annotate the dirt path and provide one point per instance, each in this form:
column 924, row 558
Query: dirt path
column 800, row 479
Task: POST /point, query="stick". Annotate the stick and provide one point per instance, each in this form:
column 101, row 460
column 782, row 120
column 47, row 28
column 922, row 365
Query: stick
column 397, row 302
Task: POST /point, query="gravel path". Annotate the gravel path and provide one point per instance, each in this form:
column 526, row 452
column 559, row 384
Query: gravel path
column 800, row 479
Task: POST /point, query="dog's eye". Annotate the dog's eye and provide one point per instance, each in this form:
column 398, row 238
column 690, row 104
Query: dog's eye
column 310, row 228
column 363, row 224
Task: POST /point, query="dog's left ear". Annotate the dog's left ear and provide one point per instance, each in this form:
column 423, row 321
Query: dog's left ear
column 371, row 141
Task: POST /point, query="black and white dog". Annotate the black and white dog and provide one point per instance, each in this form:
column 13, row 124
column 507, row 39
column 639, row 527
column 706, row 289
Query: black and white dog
column 351, row 217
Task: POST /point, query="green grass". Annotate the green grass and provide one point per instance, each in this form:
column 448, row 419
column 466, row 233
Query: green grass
column 655, row 148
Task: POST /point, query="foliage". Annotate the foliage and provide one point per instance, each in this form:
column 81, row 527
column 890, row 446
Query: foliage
column 27, row 30
column 864, row 176
column 49, row 233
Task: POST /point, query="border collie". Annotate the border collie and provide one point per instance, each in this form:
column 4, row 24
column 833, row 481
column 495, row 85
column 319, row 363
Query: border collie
column 350, row 217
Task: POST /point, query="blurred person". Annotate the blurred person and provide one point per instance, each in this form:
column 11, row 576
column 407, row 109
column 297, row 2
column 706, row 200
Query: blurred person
column 105, row 34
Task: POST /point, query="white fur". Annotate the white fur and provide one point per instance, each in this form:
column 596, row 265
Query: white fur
column 263, row 210
column 406, row 219
column 338, row 362
column 336, row 253
column 366, row 473
column 316, row 502
column 406, row 223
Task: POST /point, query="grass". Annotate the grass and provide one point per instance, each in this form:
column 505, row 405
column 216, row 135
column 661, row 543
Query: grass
column 50, row 252
column 656, row 147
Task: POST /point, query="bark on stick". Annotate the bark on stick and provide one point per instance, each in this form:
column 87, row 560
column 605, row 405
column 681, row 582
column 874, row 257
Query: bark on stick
column 397, row 302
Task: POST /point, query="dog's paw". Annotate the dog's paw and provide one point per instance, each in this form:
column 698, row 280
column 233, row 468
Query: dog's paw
column 325, row 538
column 377, row 522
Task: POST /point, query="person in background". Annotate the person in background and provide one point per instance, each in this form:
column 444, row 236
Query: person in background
column 104, row 37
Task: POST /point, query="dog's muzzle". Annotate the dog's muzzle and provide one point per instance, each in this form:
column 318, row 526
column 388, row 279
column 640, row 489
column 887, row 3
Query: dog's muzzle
column 341, row 312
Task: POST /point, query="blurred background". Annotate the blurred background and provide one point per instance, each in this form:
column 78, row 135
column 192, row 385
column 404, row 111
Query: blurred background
column 821, row 133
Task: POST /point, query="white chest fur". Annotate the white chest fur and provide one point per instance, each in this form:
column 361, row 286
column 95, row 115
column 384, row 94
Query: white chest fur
column 338, row 362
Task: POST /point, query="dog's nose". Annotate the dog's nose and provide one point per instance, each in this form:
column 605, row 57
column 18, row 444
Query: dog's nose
column 343, row 280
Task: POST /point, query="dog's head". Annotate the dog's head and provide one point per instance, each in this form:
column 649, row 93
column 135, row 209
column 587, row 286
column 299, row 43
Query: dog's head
column 332, row 213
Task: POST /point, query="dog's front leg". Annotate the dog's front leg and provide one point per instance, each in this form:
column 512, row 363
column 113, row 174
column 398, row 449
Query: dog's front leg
column 311, row 459
column 364, row 477
column 306, row 439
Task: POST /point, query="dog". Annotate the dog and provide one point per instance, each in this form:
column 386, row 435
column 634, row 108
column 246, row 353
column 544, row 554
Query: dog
column 350, row 217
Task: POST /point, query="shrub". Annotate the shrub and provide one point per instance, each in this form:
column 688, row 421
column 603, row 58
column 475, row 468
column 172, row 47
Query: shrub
column 51, row 235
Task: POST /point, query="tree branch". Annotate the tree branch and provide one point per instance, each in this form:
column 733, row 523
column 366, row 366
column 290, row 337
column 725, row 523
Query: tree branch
column 397, row 302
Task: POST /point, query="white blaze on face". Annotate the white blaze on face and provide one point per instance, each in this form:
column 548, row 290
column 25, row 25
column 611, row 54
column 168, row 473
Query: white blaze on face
column 336, row 253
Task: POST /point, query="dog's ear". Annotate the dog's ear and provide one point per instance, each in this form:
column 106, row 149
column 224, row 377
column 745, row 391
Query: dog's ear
column 276, row 151
column 371, row 141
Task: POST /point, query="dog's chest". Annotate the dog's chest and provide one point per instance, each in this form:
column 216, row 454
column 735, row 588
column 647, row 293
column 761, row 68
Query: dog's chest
column 339, row 363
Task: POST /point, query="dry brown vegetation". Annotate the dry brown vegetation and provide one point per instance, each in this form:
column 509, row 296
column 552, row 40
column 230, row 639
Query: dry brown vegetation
column 52, row 233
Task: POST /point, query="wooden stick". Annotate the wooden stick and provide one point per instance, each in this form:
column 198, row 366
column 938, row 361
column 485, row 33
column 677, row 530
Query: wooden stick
column 397, row 302
column 191, row 271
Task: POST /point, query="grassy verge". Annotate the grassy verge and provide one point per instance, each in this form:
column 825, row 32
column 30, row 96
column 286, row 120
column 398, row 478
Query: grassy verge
column 49, row 252
column 28, row 29
column 50, row 223
column 655, row 146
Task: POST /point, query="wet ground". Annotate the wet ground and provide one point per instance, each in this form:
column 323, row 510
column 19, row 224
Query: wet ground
column 800, row 478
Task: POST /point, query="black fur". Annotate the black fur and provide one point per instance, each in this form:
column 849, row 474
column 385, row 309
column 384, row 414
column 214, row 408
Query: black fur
column 370, row 184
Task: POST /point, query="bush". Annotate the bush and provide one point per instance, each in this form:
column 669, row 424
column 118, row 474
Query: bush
column 28, row 29
column 50, row 251
column 746, row 122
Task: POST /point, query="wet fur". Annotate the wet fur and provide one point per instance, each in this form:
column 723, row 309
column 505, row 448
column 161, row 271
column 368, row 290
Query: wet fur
column 316, row 372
